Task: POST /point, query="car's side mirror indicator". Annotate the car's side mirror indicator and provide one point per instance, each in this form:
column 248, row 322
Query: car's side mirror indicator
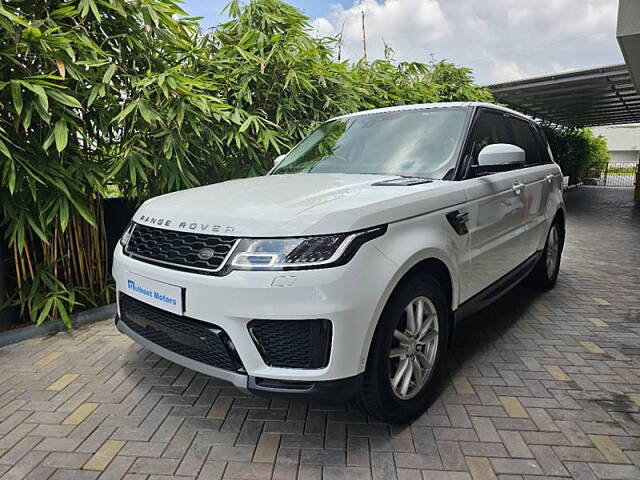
column 501, row 154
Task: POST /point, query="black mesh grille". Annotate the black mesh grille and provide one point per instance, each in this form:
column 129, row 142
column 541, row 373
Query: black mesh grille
column 179, row 249
column 199, row 341
column 293, row 343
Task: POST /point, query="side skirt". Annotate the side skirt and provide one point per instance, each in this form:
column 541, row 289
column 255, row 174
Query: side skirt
column 496, row 289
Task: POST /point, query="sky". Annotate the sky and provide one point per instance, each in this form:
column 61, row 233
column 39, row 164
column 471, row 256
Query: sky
column 501, row 40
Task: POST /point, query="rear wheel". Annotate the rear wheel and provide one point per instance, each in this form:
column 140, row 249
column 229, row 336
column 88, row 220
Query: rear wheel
column 407, row 352
column 545, row 273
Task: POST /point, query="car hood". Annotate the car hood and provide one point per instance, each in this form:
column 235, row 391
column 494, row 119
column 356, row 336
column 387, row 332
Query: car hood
column 295, row 205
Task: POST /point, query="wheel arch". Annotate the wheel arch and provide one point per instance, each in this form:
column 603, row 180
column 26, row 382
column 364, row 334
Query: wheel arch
column 432, row 263
column 437, row 269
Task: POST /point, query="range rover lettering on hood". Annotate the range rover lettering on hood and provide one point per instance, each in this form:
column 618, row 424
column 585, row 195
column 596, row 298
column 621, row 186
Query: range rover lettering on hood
column 185, row 225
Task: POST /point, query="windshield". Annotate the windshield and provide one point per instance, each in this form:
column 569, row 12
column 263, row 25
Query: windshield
column 420, row 143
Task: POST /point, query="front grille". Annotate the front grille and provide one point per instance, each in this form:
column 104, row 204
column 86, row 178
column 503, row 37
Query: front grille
column 292, row 343
column 179, row 249
column 199, row 341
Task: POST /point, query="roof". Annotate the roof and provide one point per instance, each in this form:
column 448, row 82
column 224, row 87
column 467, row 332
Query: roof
column 426, row 106
column 582, row 98
column 628, row 35
column 607, row 95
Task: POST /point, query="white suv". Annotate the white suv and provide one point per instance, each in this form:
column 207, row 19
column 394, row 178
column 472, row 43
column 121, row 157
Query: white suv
column 343, row 272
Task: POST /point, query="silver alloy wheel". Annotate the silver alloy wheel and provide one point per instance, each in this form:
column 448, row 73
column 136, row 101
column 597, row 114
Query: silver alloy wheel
column 413, row 350
column 553, row 251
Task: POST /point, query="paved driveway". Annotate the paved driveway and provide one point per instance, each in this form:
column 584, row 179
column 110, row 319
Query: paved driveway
column 539, row 385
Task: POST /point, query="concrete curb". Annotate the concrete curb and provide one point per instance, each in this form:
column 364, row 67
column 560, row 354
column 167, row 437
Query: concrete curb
column 82, row 318
column 571, row 187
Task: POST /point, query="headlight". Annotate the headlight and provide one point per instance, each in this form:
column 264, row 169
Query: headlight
column 300, row 253
column 124, row 239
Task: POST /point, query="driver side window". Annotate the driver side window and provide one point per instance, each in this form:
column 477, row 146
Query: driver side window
column 490, row 128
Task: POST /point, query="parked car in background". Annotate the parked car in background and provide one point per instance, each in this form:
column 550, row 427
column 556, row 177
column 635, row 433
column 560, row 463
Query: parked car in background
column 343, row 272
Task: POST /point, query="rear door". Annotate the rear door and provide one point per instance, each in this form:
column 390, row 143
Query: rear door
column 539, row 175
column 496, row 208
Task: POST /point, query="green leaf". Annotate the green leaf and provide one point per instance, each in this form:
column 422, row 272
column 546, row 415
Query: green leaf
column 64, row 315
column 64, row 213
column 40, row 92
column 127, row 110
column 12, row 177
column 92, row 95
column 84, row 212
column 4, row 149
column 108, row 73
column 148, row 113
column 48, row 141
column 64, row 99
column 16, row 95
column 36, row 228
column 42, row 113
column 246, row 124
column 180, row 114
column 94, row 10
column 61, row 133
column 26, row 117
column 44, row 313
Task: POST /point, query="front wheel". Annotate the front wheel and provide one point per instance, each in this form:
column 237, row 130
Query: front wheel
column 407, row 352
column 545, row 273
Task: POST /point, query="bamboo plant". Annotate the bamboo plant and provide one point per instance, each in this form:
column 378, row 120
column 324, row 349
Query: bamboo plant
column 131, row 98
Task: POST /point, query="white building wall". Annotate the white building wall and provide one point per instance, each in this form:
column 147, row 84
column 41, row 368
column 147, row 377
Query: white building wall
column 628, row 156
column 623, row 142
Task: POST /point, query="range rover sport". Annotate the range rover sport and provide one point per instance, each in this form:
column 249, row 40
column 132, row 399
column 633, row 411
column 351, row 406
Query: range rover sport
column 343, row 272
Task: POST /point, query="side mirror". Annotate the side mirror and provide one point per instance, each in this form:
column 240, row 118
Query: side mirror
column 279, row 159
column 501, row 155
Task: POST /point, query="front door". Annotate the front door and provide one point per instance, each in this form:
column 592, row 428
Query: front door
column 496, row 209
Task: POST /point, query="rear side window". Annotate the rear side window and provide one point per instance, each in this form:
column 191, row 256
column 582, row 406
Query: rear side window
column 525, row 138
column 545, row 151
column 490, row 128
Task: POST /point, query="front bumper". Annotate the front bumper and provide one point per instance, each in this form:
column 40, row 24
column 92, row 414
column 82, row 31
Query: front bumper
column 348, row 296
column 330, row 391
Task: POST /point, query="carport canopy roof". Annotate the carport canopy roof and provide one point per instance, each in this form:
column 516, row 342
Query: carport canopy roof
column 584, row 98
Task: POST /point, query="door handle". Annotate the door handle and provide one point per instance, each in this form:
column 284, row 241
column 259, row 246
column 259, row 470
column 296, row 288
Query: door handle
column 517, row 188
column 549, row 178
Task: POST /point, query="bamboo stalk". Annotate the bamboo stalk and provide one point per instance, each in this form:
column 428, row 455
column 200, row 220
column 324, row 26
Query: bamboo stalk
column 27, row 254
column 74, row 277
column 17, row 267
column 54, row 256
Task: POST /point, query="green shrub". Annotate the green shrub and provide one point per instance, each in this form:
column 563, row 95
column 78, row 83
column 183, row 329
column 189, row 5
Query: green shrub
column 577, row 151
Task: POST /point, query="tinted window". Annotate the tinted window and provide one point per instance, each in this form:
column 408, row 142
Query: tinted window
column 524, row 138
column 545, row 152
column 417, row 142
column 490, row 128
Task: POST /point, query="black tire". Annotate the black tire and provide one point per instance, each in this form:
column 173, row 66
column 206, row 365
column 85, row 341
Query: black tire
column 543, row 276
column 377, row 397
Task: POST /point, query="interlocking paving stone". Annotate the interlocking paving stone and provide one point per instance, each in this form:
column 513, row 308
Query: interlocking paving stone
column 480, row 468
column 538, row 385
column 62, row 382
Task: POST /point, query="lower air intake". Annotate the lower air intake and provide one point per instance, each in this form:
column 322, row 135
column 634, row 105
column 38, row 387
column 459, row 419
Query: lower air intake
column 199, row 341
column 293, row 343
